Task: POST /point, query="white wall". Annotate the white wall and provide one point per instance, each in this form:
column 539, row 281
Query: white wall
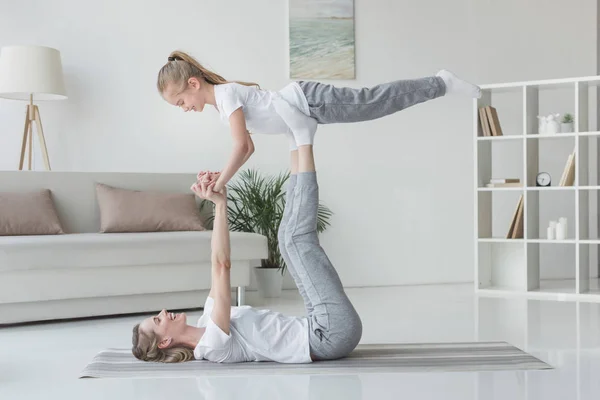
column 400, row 187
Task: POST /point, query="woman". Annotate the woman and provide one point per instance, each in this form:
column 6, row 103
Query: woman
column 331, row 329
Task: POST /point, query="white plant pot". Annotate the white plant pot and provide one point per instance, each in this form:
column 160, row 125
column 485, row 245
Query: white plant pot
column 566, row 128
column 269, row 281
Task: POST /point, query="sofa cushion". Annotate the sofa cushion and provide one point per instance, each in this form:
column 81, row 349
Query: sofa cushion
column 125, row 210
column 28, row 213
column 96, row 250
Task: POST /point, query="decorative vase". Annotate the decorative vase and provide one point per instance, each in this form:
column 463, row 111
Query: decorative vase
column 269, row 281
column 566, row 127
column 541, row 124
column 552, row 125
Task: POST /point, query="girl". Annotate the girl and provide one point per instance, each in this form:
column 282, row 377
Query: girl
column 331, row 329
column 296, row 110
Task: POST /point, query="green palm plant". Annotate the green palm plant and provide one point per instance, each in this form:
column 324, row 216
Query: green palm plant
column 256, row 204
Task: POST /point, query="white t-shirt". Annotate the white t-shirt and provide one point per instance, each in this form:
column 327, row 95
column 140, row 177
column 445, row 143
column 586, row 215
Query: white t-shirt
column 265, row 111
column 255, row 335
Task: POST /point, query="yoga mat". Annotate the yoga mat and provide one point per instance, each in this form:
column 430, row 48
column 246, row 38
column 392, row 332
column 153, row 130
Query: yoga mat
column 369, row 358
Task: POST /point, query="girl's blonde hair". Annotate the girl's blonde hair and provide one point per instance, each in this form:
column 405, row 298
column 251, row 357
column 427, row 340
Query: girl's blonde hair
column 181, row 66
column 145, row 348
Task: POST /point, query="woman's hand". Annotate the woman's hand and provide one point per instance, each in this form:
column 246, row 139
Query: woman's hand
column 204, row 189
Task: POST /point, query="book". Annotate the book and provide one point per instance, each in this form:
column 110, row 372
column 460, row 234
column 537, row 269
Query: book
column 493, row 120
column 505, row 180
column 568, row 176
column 509, row 184
column 483, row 121
column 514, row 223
column 517, row 232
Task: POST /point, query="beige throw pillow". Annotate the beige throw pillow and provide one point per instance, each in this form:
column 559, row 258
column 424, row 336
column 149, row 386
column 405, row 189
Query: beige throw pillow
column 28, row 213
column 125, row 210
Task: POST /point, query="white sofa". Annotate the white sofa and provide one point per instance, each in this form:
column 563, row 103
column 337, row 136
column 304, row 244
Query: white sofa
column 85, row 273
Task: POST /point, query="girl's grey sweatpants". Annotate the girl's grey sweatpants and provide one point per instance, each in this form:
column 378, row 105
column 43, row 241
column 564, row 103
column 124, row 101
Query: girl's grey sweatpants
column 334, row 325
column 329, row 104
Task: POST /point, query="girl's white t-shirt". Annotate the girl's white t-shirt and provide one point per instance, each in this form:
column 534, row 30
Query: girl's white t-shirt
column 255, row 335
column 265, row 111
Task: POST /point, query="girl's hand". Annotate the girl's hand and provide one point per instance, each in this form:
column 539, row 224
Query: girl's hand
column 208, row 176
column 204, row 190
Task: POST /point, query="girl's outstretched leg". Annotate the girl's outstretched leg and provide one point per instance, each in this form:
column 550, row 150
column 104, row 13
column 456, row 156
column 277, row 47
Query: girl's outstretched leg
column 329, row 104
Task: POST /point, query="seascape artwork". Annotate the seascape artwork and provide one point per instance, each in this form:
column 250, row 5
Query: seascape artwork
column 321, row 39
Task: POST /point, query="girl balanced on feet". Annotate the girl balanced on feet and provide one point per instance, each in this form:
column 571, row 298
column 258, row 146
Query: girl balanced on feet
column 297, row 109
column 331, row 328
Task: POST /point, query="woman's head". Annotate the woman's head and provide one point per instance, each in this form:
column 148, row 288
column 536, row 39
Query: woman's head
column 160, row 338
column 183, row 81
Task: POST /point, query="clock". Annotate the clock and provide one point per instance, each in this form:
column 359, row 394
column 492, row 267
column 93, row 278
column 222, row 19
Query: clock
column 543, row 179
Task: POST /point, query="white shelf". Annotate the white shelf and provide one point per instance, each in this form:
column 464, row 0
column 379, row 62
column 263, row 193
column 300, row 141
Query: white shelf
column 558, row 286
column 562, row 82
column 500, row 189
column 550, row 188
column 500, row 240
column 548, row 241
column 519, row 267
column 544, row 241
column 556, row 136
column 536, row 189
column 500, row 138
column 560, row 290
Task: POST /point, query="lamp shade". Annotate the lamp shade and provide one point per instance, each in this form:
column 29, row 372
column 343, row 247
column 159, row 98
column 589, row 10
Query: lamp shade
column 31, row 70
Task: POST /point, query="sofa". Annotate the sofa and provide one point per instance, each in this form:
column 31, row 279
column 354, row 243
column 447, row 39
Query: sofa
column 84, row 272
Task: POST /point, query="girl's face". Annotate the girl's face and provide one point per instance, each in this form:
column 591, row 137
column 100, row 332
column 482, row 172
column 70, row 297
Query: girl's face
column 193, row 98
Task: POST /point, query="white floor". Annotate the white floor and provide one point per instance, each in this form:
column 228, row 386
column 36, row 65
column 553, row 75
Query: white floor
column 42, row 361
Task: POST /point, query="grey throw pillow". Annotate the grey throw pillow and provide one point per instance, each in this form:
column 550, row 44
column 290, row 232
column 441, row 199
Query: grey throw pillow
column 125, row 210
column 28, row 213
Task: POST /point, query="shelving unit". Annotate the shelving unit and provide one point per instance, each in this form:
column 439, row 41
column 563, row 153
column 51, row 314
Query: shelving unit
column 533, row 266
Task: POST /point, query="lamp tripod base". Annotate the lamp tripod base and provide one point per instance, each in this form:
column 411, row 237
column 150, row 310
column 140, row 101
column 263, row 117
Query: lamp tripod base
column 33, row 116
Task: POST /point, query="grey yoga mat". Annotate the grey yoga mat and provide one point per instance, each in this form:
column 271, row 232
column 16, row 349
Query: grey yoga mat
column 369, row 358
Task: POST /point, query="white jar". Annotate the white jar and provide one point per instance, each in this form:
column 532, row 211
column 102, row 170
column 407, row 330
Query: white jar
column 563, row 222
column 560, row 232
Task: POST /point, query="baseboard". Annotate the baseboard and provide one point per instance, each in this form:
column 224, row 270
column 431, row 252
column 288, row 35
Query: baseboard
column 18, row 313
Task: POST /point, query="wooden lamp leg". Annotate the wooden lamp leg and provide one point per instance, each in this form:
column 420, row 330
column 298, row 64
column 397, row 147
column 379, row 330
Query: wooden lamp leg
column 33, row 115
column 25, row 137
column 30, row 145
column 38, row 122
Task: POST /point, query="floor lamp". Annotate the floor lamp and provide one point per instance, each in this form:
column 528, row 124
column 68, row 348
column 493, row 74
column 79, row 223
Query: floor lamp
column 31, row 73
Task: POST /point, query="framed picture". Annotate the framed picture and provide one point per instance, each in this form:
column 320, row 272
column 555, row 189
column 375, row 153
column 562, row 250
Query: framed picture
column 321, row 39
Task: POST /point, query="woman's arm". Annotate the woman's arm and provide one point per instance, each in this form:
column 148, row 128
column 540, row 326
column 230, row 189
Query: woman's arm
column 243, row 147
column 220, row 253
column 221, row 266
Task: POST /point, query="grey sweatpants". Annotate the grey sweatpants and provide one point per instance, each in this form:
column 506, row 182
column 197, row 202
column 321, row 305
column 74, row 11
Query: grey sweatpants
column 329, row 104
column 334, row 325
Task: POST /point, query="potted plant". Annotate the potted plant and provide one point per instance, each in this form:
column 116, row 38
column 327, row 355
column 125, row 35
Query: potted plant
column 566, row 125
column 256, row 204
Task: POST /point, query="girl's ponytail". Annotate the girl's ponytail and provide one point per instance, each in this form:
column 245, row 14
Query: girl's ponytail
column 181, row 66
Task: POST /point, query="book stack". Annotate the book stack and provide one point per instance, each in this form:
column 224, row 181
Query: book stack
column 488, row 119
column 504, row 182
column 515, row 231
column 568, row 176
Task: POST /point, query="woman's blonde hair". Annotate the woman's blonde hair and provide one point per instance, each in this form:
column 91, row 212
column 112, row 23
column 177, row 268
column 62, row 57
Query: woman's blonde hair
column 145, row 348
column 181, row 66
